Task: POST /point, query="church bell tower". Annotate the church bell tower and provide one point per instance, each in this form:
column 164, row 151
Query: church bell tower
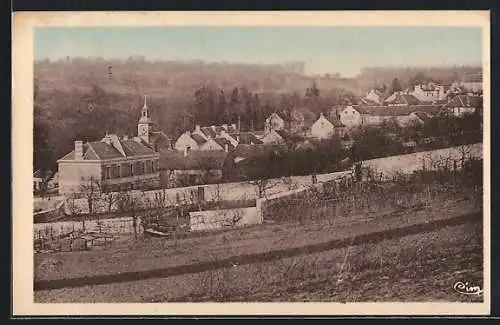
column 145, row 125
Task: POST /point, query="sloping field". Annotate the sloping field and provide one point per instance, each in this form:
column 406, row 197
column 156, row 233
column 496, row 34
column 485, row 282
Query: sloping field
column 160, row 253
column 419, row 267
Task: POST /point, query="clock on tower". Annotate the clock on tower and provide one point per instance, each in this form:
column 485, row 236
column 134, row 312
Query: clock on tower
column 145, row 124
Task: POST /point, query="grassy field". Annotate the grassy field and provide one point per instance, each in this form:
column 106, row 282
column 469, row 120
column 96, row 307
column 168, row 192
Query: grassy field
column 422, row 267
column 154, row 253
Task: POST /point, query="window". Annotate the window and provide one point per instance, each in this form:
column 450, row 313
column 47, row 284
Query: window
column 115, row 171
column 126, row 170
column 139, row 168
column 149, row 167
column 106, row 172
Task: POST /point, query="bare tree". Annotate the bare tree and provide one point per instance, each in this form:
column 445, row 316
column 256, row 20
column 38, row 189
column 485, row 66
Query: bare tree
column 263, row 185
column 128, row 203
column 90, row 189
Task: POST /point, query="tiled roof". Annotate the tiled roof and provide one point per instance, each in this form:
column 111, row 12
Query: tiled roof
column 402, row 98
column 208, row 131
column 100, row 150
column 198, row 138
column 422, row 116
column 104, row 150
column 284, row 134
column 274, row 115
column 246, row 138
column 136, row 149
column 464, row 101
column 195, row 160
column 396, row 110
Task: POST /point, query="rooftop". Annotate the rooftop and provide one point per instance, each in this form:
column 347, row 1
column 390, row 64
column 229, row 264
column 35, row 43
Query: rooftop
column 117, row 148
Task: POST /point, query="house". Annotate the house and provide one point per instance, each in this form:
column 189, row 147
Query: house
column 191, row 168
column 325, row 128
column 188, row 141
column 461, row 105
column 400, row 98
column 112, row 162
column 374, row 96
column 274, row 122
column 351, row 117
column 207, row 138
column 429, row 92
column 376, row 115
column 217, row 144
column 274, row 137
column 473, row 83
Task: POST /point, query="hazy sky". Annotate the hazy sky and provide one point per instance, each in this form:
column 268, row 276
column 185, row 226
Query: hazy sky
column 323, row 49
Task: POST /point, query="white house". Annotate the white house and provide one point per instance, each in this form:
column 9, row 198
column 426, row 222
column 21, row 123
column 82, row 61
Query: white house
column 273, row 137
column 274, row 122
column 375, row 96
column 473, row 83
column 322, row 128
column 350, row 117
column 461, row 105
column 376, row 115
column 429, row 93
column 187, row 141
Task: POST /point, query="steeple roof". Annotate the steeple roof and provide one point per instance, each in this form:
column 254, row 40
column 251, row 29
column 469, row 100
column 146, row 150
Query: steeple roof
column 145, row 115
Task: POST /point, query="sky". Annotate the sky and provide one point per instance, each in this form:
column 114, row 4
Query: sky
column 323, row 49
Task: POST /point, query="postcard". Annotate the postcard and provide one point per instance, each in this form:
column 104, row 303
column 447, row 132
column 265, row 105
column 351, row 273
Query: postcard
column 251, row 163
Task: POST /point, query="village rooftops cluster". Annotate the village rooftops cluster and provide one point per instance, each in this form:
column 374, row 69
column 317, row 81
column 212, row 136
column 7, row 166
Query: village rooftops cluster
column 151, row 158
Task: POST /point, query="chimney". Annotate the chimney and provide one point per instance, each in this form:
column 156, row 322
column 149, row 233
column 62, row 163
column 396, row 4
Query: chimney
column 234, row 126
column 213, row 127
column 185, row 151
column 78, row 150
column 197, row 128
column 224, row 126
column 226, row 147
column 107, row 140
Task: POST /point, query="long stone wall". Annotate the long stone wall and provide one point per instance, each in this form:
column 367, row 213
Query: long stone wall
column 387, row 166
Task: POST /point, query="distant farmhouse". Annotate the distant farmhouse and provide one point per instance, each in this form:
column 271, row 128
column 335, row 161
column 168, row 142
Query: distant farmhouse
column 432, row 93
column 325, row 128
column 461, row 105
column 355, row 116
